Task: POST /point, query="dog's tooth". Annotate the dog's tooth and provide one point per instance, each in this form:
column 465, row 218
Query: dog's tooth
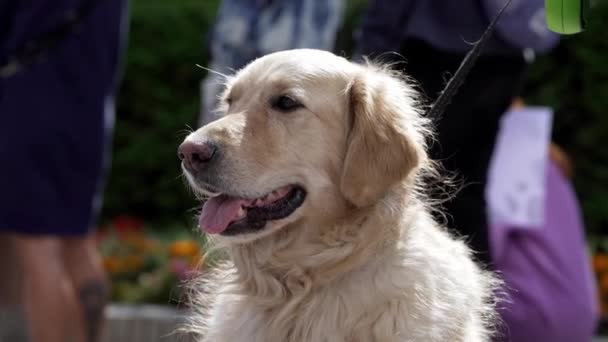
column 241, row 213
column 274, row 195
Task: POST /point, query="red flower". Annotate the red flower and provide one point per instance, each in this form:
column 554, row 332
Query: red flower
column 125, row 224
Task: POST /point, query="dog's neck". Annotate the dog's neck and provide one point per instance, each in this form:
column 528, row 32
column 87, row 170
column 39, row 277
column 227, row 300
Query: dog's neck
column 283, row 263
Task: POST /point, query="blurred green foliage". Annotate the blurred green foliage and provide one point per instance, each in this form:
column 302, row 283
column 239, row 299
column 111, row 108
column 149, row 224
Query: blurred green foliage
column 159, row 100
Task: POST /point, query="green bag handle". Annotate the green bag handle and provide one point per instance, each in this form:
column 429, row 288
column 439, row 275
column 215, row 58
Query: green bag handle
column 566, row 16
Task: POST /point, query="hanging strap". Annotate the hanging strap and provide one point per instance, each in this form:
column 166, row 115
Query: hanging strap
column 446, row 95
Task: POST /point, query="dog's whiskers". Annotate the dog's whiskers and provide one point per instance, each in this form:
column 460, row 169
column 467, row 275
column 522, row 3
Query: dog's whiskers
column 199, row 192
column 213, row 71
column 185, row 131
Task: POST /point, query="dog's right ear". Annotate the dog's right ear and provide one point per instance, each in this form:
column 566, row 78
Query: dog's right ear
column 385, row 143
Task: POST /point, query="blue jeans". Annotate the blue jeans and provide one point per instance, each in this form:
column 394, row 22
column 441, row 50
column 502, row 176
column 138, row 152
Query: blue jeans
column 247, row 29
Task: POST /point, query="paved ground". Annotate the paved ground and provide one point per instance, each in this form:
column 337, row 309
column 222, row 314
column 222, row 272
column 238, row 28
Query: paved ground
column 125, row 324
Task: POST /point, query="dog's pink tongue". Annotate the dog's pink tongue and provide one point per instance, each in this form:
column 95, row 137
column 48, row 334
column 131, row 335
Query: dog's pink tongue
column 219, row 212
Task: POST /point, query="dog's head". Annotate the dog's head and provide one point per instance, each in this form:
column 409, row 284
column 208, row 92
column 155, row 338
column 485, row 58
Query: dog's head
column 305, row 135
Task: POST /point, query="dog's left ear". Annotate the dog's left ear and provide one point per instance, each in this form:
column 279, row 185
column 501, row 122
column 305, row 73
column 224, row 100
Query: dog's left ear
column 385, row 143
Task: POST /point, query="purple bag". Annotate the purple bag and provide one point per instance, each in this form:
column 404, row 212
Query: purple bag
column 547, row 272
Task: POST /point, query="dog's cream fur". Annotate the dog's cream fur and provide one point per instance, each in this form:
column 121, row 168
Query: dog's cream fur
column 362, row 259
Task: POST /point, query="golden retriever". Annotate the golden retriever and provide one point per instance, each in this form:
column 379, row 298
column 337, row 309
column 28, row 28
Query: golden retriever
column 314, row 178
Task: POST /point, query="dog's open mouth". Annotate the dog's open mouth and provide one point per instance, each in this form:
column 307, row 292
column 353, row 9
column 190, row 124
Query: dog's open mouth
column 230, row 215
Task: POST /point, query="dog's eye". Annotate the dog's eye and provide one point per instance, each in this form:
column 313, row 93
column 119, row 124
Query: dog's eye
column 285, row 103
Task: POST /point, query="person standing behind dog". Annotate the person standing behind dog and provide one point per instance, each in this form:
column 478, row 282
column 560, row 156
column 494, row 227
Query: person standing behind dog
column 247, row 29
column 433, row 36
column 56, row 117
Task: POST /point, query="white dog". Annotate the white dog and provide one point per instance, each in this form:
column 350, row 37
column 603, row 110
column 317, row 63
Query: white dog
column 314, row 178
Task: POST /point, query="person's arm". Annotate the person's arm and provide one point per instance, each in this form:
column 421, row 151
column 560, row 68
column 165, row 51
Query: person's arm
column 382, row 26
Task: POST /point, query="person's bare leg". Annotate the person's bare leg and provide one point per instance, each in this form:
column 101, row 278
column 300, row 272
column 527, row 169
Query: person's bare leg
column 48, row 296
column 84, row 265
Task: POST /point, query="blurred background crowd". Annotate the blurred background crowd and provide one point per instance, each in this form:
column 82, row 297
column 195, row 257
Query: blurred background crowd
column 142, row 55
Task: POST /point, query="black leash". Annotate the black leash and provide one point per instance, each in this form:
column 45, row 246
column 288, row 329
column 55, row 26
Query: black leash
column 446, row 95
column 34, row 51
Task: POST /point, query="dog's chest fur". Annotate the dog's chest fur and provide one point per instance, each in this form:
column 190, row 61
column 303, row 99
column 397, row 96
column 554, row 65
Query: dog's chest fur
column 402, row 296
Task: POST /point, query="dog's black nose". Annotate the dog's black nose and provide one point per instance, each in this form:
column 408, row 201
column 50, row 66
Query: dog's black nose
column 196, row 155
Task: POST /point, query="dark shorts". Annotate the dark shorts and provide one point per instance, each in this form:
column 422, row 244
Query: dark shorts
column 56, row 118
